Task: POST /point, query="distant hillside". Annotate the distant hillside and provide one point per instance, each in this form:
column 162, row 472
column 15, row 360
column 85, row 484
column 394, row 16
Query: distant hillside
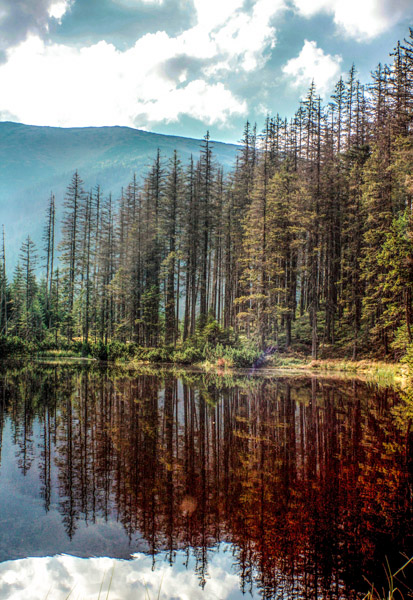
column 37, row 160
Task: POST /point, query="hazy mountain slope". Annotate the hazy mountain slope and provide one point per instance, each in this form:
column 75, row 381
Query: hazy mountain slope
column 36, row 160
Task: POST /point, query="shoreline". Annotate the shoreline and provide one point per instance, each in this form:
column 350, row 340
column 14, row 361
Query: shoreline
column 276, row 366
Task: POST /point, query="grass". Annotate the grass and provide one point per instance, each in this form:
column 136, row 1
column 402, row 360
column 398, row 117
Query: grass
column 384, row 373
column 394, row 584
column 380, row 370
column 59, row 353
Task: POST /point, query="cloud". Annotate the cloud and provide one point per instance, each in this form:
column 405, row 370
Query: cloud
column 359, row 19
column 159, row 79
column 20, row 18
column 59, row 8
column 135, row 3
column 313, row 64
column 133, row 579
column 247, row 36
column 99, row 85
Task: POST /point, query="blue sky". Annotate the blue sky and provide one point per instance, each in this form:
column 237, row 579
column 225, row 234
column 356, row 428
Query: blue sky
column 184, row 66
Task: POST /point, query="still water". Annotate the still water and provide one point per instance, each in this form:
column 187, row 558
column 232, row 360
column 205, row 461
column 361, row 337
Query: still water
column 195, row 486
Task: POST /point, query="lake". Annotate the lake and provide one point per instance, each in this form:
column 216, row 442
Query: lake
column 162, row 484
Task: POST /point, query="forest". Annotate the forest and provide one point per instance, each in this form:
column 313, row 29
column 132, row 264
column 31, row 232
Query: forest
column 305, row 245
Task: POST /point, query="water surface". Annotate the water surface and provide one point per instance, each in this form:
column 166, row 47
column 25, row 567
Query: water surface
column 199, row 486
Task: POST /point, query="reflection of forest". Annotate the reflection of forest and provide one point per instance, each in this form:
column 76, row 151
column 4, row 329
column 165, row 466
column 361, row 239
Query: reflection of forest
column 307, row 479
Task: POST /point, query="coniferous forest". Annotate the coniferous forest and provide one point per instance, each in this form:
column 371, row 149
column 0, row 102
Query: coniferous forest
column 306, row 244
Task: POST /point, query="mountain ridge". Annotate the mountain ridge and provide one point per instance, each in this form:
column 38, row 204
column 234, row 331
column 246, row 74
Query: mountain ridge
column 37, row 160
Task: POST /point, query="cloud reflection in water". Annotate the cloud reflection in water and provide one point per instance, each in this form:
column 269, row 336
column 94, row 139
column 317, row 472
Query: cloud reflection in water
column 58, row 576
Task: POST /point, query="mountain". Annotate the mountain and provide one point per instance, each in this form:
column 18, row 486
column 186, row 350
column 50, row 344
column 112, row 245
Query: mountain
column 37, row 160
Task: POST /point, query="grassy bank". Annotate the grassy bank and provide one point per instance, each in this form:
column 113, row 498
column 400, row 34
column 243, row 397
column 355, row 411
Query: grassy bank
column 385, row 373
column 381, row 372
column 366, row 366
column 212, row 349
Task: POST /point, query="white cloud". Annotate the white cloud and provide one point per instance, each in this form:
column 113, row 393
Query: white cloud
column 247, row 36
column 212, row 13
column 100, row 85
column 359, row 19
column 137, row 2
column 21, row 18
column 55, row 577
column 313, row 64
column 58, row 9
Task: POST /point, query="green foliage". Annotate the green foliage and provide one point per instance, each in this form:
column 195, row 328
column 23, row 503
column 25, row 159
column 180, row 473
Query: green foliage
column 408, row 359
column 188, row 356
column 111, row 351
column 242, row 358
column 160, row 355
column 13, row 346
column 99, row 350
column 400, row 342
column 116, row 350
column 212, row 334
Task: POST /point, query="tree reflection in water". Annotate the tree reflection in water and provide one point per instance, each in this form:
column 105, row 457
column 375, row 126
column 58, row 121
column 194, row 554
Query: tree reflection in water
column 306, row 479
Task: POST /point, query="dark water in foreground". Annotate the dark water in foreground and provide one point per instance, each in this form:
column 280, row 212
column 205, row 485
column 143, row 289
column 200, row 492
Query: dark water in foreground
column 201, row 486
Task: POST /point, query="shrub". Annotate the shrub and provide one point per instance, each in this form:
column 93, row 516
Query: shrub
column 116, row 350
column 85, row 349
column 132, row 349
column 75, row 346
column 99, row 350
column 159, row 355
column 243, row 358
column 408, row 359
column 400, row 344
column 188, row 356
column 15, row 346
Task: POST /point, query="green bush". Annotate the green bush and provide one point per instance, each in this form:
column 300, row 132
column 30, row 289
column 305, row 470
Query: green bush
column 210, row 343
column 400, row 344
column 116, row 350
column 188, row 356
column 75, row 346
column 132, row 350
column 160, row 355
column 99, row 350
column 140, row 353
column 408, row 358
column 243, row 358
column 211, row 334
column 11, row 346
column 85, row 349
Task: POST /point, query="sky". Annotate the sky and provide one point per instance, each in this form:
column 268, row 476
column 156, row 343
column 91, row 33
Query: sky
column 184, row 66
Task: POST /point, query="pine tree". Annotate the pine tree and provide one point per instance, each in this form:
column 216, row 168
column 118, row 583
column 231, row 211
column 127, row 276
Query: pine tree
column 31, row 318
column 70, row 246
column 286, row 234
column 171, row 218
column 3, row 289
column 205, row 190
column 49, row 247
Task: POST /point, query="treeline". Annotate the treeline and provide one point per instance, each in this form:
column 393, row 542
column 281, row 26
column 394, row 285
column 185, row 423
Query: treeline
column 307, row 242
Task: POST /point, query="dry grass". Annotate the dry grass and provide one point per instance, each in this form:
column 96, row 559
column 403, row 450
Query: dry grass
column 378, row 369
column 399, row 587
